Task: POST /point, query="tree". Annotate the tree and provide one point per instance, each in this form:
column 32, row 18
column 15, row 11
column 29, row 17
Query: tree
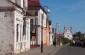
column 65, row 40
column 78, row 34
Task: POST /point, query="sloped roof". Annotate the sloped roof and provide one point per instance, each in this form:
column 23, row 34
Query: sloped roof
column 58, row 35
column 33, row 3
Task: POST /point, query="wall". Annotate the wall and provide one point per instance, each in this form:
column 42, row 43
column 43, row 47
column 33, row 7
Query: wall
column 18, row 45
column 23, row 42
column 50, row 34
column 4, row 3
column 27, row 33
column 19, row 2
column 68, row 34
column 6, row 32
column 44, row 29
column 47, row 34
column 22, row 3
column 8, row 29
column 40, row 13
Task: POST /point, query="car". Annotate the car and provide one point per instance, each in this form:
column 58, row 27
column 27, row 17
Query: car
column 83, row 44
column 77, row 43
column 80, row 43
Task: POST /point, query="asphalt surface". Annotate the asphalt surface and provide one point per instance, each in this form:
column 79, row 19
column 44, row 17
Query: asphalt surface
column 71, row 50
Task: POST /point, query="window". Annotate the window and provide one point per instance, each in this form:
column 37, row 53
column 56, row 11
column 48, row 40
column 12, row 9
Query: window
column 31, row 28
column 20, row 32
column 24, row 26
column 31, row 24
column 67, row 35
column 24, row 3
column 36, row 21
column 17, row 32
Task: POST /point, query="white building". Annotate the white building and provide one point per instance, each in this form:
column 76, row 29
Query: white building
column 39, row 16
column 14, row 27
column 37, row 23
column 50, row 34
column 68, row 33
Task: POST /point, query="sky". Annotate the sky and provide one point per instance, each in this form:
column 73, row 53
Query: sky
column 68, row 13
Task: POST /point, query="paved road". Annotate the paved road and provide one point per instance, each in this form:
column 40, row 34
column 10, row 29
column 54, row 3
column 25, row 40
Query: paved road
column 70, row 50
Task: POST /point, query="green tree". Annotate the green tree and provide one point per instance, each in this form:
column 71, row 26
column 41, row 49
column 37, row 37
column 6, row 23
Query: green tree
column 65, row 40
column 78, row 34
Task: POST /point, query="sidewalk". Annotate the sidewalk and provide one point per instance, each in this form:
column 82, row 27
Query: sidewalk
column 47, row 50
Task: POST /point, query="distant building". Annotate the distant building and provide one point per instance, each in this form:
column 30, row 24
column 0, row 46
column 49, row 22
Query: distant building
column 60, row 35
column 68, row 33
column 81, row 37
column 50, row 32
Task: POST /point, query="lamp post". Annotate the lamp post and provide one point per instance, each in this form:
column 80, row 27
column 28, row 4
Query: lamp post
column 57, row 25
column 47, row 11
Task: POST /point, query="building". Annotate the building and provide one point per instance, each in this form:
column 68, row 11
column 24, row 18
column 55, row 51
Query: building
column 33, row 11
column 14, row 26
column 50, row 32
column 23, row 24
column 68, row 33
column 53, row 35
column 47, row 40
column 38, row 17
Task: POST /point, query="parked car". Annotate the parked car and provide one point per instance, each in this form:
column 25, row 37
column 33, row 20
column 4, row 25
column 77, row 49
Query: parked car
column 77, row 43
column 80, row 43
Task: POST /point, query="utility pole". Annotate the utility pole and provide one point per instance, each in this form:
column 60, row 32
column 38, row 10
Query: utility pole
column 57, row 37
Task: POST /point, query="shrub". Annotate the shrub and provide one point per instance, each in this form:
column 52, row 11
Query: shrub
column 65, row 40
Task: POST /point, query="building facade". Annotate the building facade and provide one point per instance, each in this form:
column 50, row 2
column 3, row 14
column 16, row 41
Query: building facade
column 50, row 33
column 39, row 17
column 23, row 23
column 68, row 33
column 15, row 27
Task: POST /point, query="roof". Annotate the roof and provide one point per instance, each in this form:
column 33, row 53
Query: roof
column 33, row 3
column 58, row 35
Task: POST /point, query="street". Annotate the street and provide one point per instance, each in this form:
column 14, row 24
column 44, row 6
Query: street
column 58, row 50
column 70, row 50
column 47, row 50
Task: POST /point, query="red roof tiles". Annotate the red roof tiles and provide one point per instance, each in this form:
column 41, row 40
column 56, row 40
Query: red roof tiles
column 34, row 3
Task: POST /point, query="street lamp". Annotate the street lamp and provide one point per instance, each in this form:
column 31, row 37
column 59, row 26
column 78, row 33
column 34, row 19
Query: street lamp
column 47, row 11
column 57, row 25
